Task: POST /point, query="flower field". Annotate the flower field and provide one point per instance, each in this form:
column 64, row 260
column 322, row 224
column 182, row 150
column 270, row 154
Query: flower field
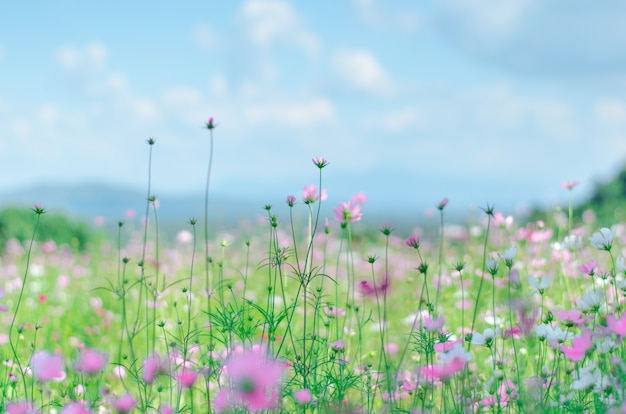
column 318, row 316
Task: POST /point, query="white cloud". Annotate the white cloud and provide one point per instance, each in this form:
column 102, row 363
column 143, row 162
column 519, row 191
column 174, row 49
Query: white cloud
column 204, row 36
column 610, row 111
column 22, row 128
column 381, row 14
column 359, row 69
column 398, row 121
column 92, row 56
column 271, row 21
column 532, row 36
column 312, row 112
column 48, row 114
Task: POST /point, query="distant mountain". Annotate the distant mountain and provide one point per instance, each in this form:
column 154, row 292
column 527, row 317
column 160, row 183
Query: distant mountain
column 114, row 204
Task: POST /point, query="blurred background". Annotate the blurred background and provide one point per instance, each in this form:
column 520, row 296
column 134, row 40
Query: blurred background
column 480, row 101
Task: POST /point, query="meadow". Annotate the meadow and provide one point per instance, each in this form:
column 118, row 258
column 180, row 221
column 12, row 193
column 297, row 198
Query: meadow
column 318, row 315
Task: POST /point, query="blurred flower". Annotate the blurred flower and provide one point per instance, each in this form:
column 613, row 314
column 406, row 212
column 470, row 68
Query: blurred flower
column 125, row 404
column 568, row 185
column 255, row 380
column 302, row 397
column 347, row 212
column 91, row 361
column 578, row 350
column 442, row 204
column 47, row 367
column 602, row 240
column 539, row 285
column 320, row 162
column 413, row 241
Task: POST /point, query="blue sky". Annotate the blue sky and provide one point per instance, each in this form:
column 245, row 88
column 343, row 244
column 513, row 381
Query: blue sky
column 410, row 101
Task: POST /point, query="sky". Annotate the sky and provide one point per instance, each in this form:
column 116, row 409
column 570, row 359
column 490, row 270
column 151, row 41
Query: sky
column 480, row 101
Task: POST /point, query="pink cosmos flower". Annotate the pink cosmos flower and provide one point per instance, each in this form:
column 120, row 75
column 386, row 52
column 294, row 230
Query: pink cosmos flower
column 23, row 407
column 91, row 361
column 442, row 204
column 47, row 367
column 187, row 377
column 153, row 366
column 441, row 347
column 75, row 408
column 359, row 198
column 337, row 346
column 617, row 326
column 334, row 311
column 310, row 194
column 302, row 397
column 413, row 241
column 255, row 381
column 319, row 162
column 580, row 345
column 347, row 212
column 573, row 317
column 568, row 185
column 125, row 404
column 443, row 372
column 368, row 290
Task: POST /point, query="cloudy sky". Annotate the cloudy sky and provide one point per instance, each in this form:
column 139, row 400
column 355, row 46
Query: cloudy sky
column 410, row 101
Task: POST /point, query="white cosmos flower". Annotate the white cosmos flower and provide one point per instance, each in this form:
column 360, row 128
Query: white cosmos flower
column 602, row 240
column 619, row 263
column 508, row 256
column 486, row 338
column 539, row 285
column 492, row 265
column 590, row 301
column 553, row 334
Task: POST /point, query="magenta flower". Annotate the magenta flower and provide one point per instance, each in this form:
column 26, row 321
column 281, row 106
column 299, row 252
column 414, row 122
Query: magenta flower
column 617, row 326
column 91, row 361
column 47, row 367
column 125, row 403
column 209, row 124
column 368, row 290
column 302, row 397
column 23, row 407
column 580, row 345
column 589, row 268
column 291, row 200
column 255, row 381
column 413, row 241
column 347, row 212
column 186, row 378
column 337, row 346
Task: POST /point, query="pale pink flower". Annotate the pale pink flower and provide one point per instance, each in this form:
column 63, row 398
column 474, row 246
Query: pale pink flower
column 334, row 311
column 337, row 346
column 126, row 403
column 568, row 185
column 255, row 381
column 320, row 162
column 367, row 289
column 347, row 212
column 310, row 194
column 47, row 367
column 443, row 372
column 573, row 317
column 153, row 366
column 442, row 204
column 91, row 361
column 302, row 397
column 165, row 409
column 359, row 198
